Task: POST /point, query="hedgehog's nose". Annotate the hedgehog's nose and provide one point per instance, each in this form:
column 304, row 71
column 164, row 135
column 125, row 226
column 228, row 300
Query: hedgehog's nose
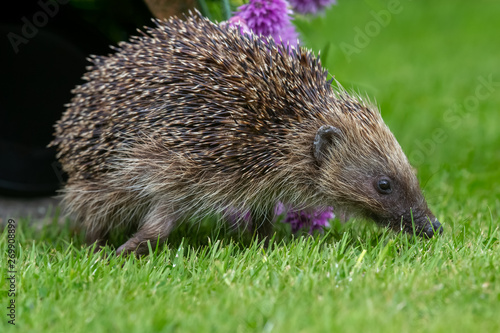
column 433, row 228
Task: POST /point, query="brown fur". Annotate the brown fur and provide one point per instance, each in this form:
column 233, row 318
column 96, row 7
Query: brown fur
column 193, row 118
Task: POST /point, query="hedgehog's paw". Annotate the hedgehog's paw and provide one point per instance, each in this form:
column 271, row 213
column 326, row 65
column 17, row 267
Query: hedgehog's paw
column 155, row 230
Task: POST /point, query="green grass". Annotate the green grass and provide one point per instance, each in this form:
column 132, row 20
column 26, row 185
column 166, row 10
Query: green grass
column 356, row 277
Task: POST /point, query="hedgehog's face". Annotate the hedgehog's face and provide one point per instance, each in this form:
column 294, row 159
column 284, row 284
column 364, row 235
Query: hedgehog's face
column 380, row 185
column 398, row 202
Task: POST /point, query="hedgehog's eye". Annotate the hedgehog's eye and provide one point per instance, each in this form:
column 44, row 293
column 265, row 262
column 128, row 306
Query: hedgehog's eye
column 384, row 186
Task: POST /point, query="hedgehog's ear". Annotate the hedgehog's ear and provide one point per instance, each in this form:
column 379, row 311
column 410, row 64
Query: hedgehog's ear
column 325, row 137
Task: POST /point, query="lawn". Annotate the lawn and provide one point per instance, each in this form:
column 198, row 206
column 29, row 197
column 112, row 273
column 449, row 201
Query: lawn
column 433, row 67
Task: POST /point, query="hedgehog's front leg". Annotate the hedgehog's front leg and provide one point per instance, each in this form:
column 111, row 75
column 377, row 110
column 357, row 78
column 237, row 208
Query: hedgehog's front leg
column 155, row 227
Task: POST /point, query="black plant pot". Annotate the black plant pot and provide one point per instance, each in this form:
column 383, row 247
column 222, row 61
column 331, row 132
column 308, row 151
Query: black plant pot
column 39, row 66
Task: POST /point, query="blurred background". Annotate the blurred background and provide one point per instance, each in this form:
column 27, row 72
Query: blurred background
column 432, row 67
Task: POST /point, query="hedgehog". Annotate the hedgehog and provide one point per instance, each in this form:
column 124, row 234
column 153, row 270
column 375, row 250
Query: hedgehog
column 193, row 119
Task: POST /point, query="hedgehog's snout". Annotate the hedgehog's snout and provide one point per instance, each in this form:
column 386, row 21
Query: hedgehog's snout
column 432, row 228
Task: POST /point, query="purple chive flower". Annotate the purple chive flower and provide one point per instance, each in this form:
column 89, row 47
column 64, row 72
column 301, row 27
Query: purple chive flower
column 314, row 220
column 238, row 22
column 311, row 6
column 269, row 18
column 288, row 34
